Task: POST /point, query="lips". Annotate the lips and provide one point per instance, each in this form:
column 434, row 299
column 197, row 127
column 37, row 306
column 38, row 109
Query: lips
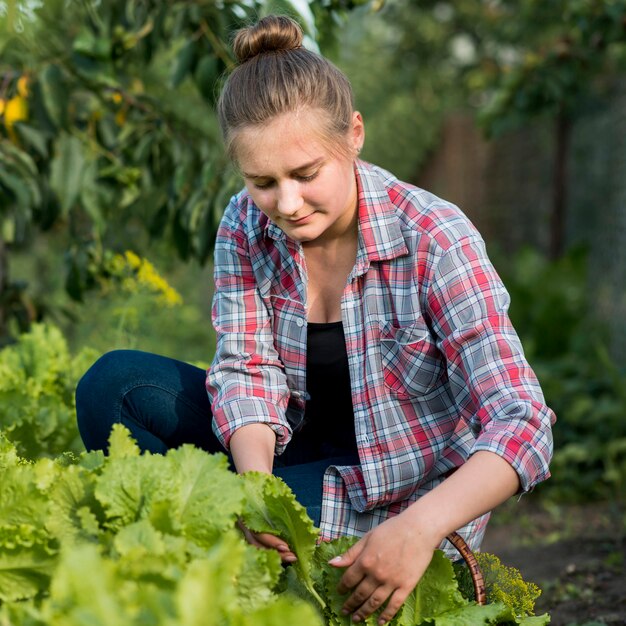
column 301, row 220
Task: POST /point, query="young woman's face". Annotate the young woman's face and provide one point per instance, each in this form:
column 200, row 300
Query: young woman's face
column 305, row 188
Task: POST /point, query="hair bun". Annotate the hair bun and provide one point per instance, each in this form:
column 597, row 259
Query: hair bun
column 272, row 33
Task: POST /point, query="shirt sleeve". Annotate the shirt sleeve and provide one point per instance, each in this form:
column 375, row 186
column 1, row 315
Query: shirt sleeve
column 493, row 384
column 246, row 382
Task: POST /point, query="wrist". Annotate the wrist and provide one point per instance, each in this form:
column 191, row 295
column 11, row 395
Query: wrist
column 428, row 523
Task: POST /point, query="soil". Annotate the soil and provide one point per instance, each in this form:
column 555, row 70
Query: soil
column 576, row 554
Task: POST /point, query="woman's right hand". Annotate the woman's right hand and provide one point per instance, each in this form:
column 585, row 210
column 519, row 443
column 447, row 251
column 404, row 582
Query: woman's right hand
column 268, row 542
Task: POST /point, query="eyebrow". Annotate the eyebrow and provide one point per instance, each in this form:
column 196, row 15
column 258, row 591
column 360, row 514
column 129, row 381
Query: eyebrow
column 294, row 171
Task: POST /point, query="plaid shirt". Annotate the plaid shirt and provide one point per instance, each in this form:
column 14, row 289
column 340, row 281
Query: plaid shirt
column 437, row 370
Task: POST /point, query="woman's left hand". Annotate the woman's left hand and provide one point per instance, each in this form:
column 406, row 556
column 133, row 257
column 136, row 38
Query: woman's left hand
column 385, row 564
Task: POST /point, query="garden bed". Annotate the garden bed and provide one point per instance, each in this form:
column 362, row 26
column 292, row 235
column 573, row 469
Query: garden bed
column 576, row 554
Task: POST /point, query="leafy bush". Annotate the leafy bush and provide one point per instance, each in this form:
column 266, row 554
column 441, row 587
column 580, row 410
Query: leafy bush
column 38, row 377
column 568, row 348
column 152, row 539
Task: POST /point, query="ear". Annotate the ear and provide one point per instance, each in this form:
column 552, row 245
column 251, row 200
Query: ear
column 358, row 131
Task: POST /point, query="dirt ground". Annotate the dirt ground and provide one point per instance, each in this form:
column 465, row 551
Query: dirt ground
column 576, row 554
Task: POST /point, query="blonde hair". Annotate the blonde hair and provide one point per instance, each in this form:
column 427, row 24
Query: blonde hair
column 277, row 75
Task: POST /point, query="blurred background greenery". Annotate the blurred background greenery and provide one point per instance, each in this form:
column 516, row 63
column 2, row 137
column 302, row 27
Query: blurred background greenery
column 516, row 111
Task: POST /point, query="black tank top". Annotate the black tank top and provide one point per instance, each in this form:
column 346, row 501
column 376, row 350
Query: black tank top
column 329, row 417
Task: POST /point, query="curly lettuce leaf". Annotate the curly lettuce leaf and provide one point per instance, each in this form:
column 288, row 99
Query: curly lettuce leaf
column 27, row 560
column 283, row 611
column 436, row 593
column 271, row 507
column 208, row 498
column 21, row 500
column 327, row 578
column 87, row 590
column 186, row 492
column 207, row 587
column 38, row 378
column 145, row 554
column 258, row 578
column 74, row 512
column 121, row 443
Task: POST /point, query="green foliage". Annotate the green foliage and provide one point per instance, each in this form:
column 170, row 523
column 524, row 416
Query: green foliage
column 38, row 377
column 556, row 50
column 153, row 539
column 130, row 307
column 107, row 124
column 551, row 311
column 132, row 538
column 403, row 101
column 511, row 61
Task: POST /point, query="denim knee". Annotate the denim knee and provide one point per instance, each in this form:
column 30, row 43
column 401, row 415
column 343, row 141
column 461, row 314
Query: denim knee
column 99, row 395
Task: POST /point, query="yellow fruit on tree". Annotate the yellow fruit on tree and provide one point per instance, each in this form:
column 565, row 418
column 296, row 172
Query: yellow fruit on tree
column 2, row 103
column 22, row 86
column 15, row 110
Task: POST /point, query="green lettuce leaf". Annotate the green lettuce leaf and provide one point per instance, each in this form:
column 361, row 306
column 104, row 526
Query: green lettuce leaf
column 129, row 486
column 86, row 590
column 27, row 560
column 535, row 620
column 74, row 512
column 143, row 553
column 208, row 498
column 283, row 612
column 258, row 578
column 436, row 593
column 207, row 589
column 271, row 507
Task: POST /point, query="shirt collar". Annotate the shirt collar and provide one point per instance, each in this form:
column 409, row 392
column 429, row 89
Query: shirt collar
column 380, row 235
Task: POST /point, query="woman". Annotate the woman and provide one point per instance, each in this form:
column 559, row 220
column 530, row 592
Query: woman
column 364, row 350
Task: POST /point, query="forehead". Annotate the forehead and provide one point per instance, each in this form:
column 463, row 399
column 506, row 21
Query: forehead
column 283, row 144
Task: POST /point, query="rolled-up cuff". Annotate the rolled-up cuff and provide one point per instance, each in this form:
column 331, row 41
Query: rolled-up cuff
column 530, row 462
column 241, row 412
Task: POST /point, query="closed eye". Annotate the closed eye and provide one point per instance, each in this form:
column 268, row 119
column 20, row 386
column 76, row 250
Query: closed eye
column 306, row 179
column 266, row 185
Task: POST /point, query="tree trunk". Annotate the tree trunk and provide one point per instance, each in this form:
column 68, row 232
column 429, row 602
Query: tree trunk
column 559, row 188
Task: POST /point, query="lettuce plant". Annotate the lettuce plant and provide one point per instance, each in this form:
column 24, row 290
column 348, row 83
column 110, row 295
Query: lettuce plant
column 140, row 539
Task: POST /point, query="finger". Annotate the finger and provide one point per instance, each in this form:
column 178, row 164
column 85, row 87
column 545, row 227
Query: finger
column 359, row 596
column 393, row 606
column 372, row 604
column 272, row 542
column 349, row 556
column 351, row 578
column 251, row 538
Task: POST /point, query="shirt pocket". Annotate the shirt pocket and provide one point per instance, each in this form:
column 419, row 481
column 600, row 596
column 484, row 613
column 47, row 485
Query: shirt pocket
column 412, row 363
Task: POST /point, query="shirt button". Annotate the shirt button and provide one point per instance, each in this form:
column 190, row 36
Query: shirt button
column 300, row 322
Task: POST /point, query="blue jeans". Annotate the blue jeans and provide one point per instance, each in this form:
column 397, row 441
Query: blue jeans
column 164, row 404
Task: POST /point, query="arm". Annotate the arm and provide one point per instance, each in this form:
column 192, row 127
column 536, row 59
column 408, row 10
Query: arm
column 252, row 447
column 246, row 382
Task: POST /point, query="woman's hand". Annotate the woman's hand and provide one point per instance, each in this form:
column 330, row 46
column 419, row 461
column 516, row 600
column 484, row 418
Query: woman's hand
column 385, row 565
column 268, row 542
column 388, row 562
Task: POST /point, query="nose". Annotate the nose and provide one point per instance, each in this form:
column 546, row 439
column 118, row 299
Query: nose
column 289, row 199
